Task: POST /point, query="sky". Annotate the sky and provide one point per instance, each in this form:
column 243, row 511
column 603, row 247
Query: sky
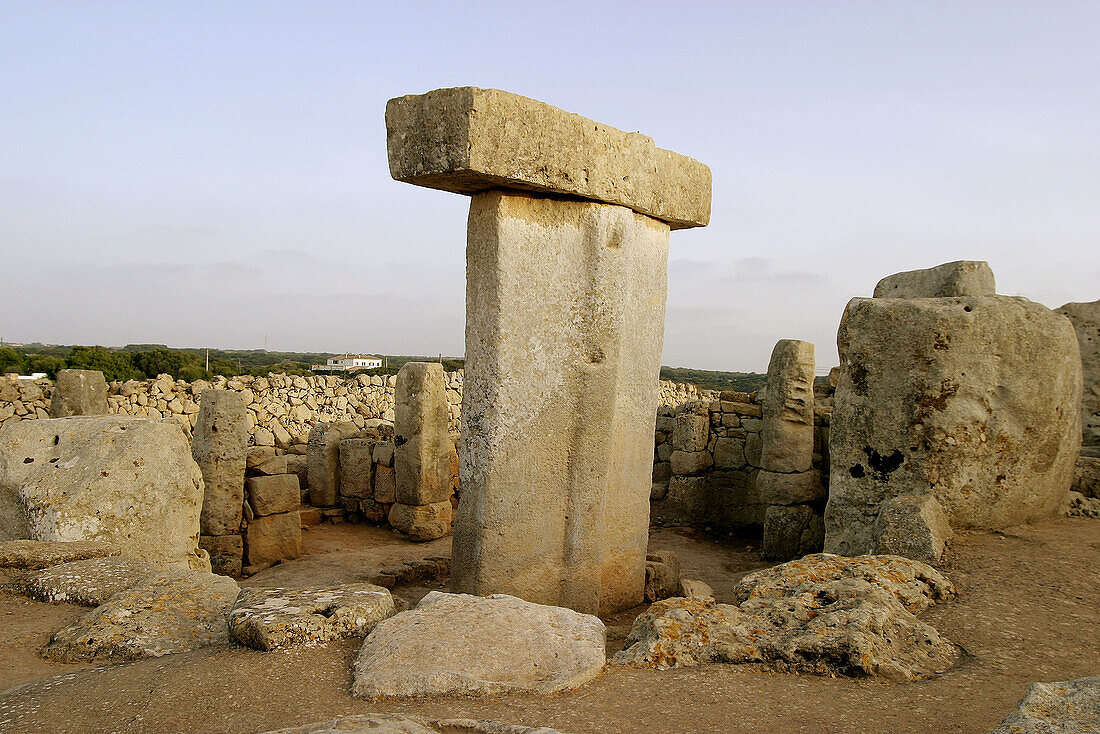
column 214, row 173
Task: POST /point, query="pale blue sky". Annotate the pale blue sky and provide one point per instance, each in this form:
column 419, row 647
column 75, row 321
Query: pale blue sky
column 205, row 173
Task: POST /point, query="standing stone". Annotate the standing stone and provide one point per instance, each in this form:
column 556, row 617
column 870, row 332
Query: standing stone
column 274, row 538
column 423, row 446
column 323, row 461
column 564, row 328
column 961, row 278
column 1086, row 322
column 787, row 433
column 220, row 446
column 357, row 468
column 79, row 392
column 973, row 399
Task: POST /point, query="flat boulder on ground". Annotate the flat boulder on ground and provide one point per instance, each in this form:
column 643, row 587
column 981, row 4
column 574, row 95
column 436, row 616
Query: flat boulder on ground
column 822, row 614
column 129, row 482
column 43, row 553
column 399, row 724
column 89, row 582
column 458, row 643
column 269, row 618
column 1070, row 707
column 173, row 611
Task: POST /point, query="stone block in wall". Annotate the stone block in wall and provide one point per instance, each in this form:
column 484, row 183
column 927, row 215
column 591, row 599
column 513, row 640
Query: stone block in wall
column 323, row 457
column 689, row 432
column 729, row 453
column 664, row 452
column 263, row 437
column 791, row 532
column 78, row 392
column 422, row 522
column 274, row 494
column 665, row 424
column 662, row 471
column 658, row 490
column 374, row 512
column 735, row 499
column 357, row 468
column 383, row 453
column 1086, row 476
column 690, row 463
column 686, row 501
column 790, row 489
column 385, row 484
column 256, row 455
column 274, row 538
column 272, row 466
column 913, row 526
column 226, row 553
column 752, row 449
column 960, row 278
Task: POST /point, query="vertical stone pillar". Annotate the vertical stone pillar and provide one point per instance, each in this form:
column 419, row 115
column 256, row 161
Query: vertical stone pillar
column 219, row 446
column 323, row 461
column 787, row 481
column 79, row 392
column 422, row 453
column 564, row 328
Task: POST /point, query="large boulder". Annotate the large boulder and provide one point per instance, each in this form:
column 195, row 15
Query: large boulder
column 960, row 278
column 78, row 392
column 824, row 614
column 90, row 582
column 1085, row 318
column 170, row 612
column 457, row 643
column 1069, row 707
column 129, row 482
column 974, row 400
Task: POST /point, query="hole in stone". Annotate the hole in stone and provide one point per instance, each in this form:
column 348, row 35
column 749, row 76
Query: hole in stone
column 56, row 440
column 327, row 611
column 968, row 309
column 28, row 460
column 54, row 460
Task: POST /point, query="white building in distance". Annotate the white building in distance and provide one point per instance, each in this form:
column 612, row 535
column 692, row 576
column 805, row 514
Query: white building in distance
column 347, row 362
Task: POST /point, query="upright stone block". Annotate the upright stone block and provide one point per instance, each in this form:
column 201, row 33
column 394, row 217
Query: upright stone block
column 323, row 461
column 564, row 328
column 220, row 445
column 1085, row 318
column 787, row 434
column 357, row 468
column 78, row 392
column 950, row 280
column 423, row 445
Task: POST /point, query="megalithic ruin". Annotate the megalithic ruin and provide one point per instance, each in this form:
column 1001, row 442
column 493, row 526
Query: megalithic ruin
column 566, row 277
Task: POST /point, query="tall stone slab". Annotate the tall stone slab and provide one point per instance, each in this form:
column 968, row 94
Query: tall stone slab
column 78, row 392
column 564, row 328
column 219, row 446
column 422, row 457
column 787, row 434
column 1085, row 318
column 323, row 461
column 974, row 400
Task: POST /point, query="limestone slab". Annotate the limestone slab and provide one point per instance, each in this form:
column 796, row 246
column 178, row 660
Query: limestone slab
column 274, row 494
column 323, row 461
column 1085, row 318
column 787, row 434
column 78, row 392
column 559, row 397
column 357, row 468
column 960, row 278
column 220, row 446
column 25, row 554
column 469, row 140
column 274, row 538
column 422, row 444
column 89, row 582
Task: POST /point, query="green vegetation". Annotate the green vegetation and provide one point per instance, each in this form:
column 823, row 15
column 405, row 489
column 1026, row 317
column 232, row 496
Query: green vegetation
column 713, row 380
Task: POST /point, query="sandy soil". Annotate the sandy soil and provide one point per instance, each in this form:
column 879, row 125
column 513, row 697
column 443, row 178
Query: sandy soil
column 1028, row 610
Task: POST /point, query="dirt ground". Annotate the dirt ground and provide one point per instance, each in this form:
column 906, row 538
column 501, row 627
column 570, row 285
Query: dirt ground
column 1028, row 610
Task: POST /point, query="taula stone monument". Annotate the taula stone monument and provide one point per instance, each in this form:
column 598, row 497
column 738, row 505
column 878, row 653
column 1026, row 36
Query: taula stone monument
column 566, row 257
column 968, row 403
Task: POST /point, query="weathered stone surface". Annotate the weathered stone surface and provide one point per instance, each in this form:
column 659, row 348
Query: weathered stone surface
column 1086, row 476
column 42, row 554
column 729, row 453
column 1085, row 318
column 357, row 468
column 269, row 618
column 790, row 489
column 457, row 643
column 422, row 457
column 89, row 582
column 399, row 724
column 913, row 526
column 787, row 435
column 690, row 463
column 1069, row 707
column 226, row 553
column 170, row 612
column 960, row 278
column 323, row 459
column 383, row 453
column 128, row 482
column 385, row 484
column 972, row 399
column 662, row 575
column 686, row 500
column 220, row 445
column 422, row 522
column 274, row 538
column 694, row 588
column 468, row 140
column 689, row 432
column 824, row 614
column 565, row 315
column 78, row 392
column 1082, row 506
column 791, row 532
column 274, row 494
